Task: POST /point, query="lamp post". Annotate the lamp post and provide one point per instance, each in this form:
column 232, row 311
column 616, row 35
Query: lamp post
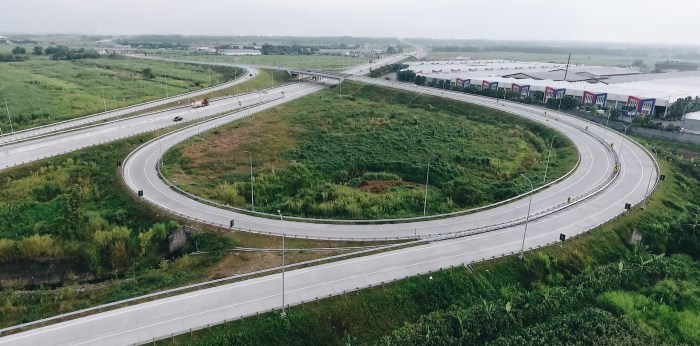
column 606, row 124
column 547, row 166
column 283, row 314
column 12, row 129
column 623, row 139
column 104, row 101
column 644, row 202
column 425, row 200
column 252, row 182
column 527, row 219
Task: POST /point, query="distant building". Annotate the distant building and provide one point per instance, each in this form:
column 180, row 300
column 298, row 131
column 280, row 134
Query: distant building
column 691, row 123
column 336, row 51
column 673, row 66
column 238, row 52
column 4, row 39
column 203, row 49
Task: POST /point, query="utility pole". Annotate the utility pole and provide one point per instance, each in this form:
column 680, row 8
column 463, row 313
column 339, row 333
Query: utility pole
column 527, row 219
column 166, row 86
column 104, row 101
column 425, row 200
column 644, row 203
column 566, row 72
column 252, row 183
column 283, row 314
column 547, row 166
column 12, row 129
column 623, row 141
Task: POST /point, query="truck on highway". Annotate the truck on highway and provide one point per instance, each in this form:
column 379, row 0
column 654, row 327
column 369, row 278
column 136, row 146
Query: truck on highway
column 200, row 103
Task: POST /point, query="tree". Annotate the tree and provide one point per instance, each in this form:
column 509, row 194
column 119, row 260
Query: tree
column 38, row 50
column 19, row 51
column 147, row 73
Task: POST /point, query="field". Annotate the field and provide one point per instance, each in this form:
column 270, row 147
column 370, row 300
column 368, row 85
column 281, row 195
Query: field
column 41, row 91
column 72, row 236
column 320, row 62
column 365, row 154
column 597, row 289
column 589, row 60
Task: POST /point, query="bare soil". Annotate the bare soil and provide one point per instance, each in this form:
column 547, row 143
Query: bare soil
column 382, row 186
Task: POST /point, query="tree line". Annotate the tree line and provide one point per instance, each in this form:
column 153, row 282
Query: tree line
column 54, row 53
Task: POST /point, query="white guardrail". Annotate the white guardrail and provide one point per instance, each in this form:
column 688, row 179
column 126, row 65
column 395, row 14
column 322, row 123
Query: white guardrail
column 70, row 123
column 452, row 235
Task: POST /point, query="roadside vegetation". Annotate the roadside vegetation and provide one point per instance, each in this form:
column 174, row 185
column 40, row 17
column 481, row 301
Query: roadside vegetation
column 365, row 155
column 596, row 289
column 72, row 236
column 42, row 91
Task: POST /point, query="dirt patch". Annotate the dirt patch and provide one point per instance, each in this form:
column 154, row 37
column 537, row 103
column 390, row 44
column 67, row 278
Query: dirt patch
column 688, row 154
column 381, row 186
column 246, row 262
column 42, row 272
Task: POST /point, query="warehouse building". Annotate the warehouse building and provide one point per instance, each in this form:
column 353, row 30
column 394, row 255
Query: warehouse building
column 691, row 123
column 640, row 93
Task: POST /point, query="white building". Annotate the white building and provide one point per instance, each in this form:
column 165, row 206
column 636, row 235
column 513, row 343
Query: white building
column 239, row 52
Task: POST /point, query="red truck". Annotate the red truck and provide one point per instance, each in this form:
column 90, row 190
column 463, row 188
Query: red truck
column 200, row 103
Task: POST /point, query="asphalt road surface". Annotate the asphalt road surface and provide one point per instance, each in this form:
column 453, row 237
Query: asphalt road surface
column 162, row 318
column 45, row 130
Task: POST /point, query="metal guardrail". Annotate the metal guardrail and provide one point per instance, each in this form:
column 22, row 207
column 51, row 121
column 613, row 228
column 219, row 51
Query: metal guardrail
column 574, row 200
column 125, row 110
column 217, row 282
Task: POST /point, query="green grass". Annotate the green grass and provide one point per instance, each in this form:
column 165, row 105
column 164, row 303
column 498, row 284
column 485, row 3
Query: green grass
column 595, row 289
column 41, row 91
column 365, row 155
column 74, row 237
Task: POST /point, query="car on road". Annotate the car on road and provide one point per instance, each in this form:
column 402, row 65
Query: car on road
column 178, row 118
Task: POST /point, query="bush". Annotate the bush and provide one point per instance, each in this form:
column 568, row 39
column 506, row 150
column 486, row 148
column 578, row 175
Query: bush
column 37, row 246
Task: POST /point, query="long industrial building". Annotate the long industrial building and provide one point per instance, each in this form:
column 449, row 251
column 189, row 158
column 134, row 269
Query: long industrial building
column 642, row 93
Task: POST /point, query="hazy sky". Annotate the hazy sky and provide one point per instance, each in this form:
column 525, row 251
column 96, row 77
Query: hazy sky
column 656, row 21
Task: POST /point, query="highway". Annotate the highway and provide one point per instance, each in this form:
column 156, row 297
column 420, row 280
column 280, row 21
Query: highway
column 595, row 168
column 161, row 318
column 45, row 130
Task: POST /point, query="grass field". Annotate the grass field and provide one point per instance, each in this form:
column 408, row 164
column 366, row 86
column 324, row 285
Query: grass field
column 72, row 236
column 596, row 289
column 40, row 91
column 365, row 155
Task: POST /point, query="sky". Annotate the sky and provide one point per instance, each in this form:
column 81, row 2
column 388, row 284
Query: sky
column 633, row 21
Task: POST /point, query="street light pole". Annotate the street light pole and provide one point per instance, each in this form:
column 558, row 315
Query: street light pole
column 425, row 200
column 284, row 232
column 160, row 148
column 606, row 124
column 104, row 101
column 12, row 129
column 527, row 219
column 644, row 202
column 252, row 183
column 623, row 139
column 546, row 168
